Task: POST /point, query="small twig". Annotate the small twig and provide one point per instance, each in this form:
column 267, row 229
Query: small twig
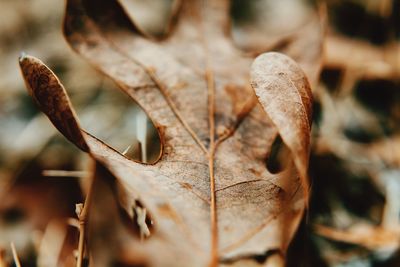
column 82, row 223
column 64, row 173
column 81, row 243
column 15, row 255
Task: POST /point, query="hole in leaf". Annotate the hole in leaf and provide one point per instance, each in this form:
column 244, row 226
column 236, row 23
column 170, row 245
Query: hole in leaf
column 114, row 211
column 278, row 157
column 142, row 219
column 132, row 212
column 116, row 119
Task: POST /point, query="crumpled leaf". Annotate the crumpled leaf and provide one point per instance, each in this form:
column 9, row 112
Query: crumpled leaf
column 210, row 196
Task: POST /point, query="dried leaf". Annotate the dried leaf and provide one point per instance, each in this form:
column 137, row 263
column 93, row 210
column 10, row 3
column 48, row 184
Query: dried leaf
column 279, row 84
column 210, row 196
column 51, row 98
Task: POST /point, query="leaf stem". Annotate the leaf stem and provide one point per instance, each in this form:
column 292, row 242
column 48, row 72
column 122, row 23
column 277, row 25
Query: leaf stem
column 81, row 245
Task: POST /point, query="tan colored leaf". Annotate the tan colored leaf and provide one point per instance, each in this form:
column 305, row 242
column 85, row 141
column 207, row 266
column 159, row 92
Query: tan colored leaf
column 210, row 196
column 285, row 94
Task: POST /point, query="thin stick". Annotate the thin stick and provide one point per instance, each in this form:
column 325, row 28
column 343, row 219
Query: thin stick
column 15, row 255
column 82, row 224
column 64, row 173
column 81, row 245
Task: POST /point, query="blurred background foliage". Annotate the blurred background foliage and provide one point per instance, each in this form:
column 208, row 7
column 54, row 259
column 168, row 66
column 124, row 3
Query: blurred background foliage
column 353, row 219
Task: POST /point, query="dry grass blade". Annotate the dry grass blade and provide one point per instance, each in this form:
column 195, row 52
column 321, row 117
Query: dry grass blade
column 15, row 255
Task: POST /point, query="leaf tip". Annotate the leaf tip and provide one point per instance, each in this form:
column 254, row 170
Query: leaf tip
column 26, row 60
column 51, row 97
column 22, row 56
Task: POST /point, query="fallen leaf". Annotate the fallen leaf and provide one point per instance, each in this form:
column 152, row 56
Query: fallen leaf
column 279, row 84
column 210, row 196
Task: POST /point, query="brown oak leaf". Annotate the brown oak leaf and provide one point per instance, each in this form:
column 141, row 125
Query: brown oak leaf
column 210, row 198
